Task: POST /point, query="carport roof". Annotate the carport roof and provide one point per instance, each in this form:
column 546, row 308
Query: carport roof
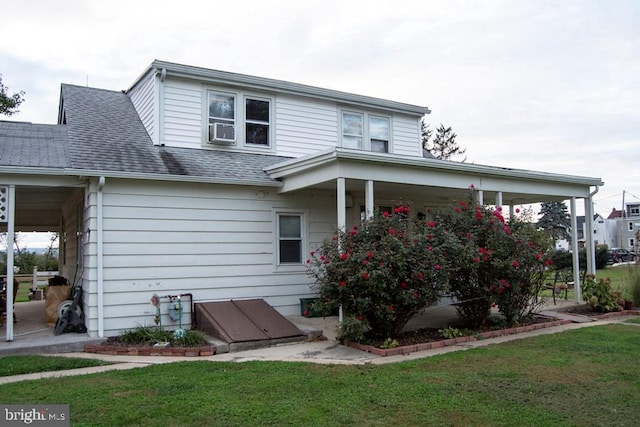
column 33, row 145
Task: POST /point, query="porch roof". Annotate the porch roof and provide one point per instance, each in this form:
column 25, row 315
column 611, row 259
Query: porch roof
column 445, row 179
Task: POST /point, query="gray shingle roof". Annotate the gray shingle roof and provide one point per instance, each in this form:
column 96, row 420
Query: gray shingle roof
column 33, row 145
column 104, row 135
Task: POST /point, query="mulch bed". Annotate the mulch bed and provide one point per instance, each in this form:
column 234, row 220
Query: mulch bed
column 427, row 339
column 114, row 346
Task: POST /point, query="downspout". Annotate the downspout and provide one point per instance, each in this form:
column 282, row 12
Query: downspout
column 591, row 253
column 99, row 254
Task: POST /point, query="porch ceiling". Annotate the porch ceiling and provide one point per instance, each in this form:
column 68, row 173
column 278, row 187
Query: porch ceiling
column 39, row 208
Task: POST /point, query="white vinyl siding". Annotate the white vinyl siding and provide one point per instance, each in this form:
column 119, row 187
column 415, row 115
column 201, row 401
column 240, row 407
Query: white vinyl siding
column 299, row 126
column 182, row 114
column 406, row 135
column 142, row 97
column 216, row 242
column 305, row 127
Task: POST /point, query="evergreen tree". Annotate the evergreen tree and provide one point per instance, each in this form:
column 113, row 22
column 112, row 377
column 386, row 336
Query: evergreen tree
column 554, row 219
column 444, row 145
column 9, row 103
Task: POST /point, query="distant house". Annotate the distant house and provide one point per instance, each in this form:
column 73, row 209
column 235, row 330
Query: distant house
column 601, row 232
column 217, row 185
column 625, row 226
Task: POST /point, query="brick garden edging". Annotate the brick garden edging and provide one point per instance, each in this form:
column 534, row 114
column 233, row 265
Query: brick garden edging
column 484, row 335
column 453, row 341
column 207, row 350
column 616, row 314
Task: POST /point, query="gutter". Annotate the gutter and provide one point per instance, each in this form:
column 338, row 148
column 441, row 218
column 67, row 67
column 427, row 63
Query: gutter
column 283, row 169
column 133, row 175
column 100, row 254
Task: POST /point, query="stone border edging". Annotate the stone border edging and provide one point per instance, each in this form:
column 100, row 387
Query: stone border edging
column 208, row 350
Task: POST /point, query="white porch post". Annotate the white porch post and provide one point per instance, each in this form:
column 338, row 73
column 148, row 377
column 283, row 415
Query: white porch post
column 368, row 198
column 342, row 204
column 11, row 223
column 480, row 197
column 588, row 234
column 499, row 199
column 574, row 247
column 342, row 217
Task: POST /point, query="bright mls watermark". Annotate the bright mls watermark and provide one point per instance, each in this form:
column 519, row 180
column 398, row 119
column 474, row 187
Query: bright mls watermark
column 36, row 415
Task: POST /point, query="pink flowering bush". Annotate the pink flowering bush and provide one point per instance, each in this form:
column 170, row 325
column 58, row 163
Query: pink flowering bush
column 494, row 261
column 381, row 272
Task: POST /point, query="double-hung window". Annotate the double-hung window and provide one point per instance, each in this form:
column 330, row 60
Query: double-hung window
column 352, row 130
column 222, row 117
column 365, row 132
column 379, row 134
column 290, row 238
column 239, row 118
column 257, row 122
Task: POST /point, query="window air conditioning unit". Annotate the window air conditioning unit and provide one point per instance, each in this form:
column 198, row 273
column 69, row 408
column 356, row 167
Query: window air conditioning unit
column 224, row 133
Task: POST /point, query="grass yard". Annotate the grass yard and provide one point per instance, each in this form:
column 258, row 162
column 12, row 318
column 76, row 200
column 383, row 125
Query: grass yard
column 619, row 280
column 584, row 377
column 18, row 365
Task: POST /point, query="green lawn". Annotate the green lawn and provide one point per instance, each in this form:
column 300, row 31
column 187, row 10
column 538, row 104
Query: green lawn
column 618, row 275
column 17, row 365
column 584, row 377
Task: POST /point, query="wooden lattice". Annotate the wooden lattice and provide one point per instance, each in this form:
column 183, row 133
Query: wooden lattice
column 4, row 203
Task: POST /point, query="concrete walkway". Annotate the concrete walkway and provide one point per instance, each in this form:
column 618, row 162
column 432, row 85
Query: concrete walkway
column 323, row 352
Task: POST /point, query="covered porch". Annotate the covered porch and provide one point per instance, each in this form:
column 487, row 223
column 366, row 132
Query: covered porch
column 364, row 181
column 40, row 204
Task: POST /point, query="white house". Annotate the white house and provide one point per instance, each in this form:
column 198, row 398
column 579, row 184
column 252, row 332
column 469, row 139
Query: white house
column 624, row 226
column 217, row 185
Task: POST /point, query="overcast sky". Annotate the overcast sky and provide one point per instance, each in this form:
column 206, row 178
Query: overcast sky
column 540, row 85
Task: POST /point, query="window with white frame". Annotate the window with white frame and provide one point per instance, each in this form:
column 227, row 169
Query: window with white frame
column 631, row 243
column 257, row 122
column 634, row 211
column 290, row 238
column 352, row 130
column 222, row 117
column 365, row 131
column 379, row 134
column 239, row 118
column 630, row 225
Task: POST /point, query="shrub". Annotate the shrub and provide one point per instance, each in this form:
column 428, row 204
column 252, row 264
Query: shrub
column 391, row 267
column 600, row 295
column 150, row 335
column 563, row 260
column 494, row 262
column 381, row 273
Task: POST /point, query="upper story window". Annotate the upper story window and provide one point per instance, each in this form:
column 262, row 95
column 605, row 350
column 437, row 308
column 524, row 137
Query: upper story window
column 222, row 117
column 257, row 121
column 634, row 211
column 379, row 134
column 236, row 118
column 365, row 132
